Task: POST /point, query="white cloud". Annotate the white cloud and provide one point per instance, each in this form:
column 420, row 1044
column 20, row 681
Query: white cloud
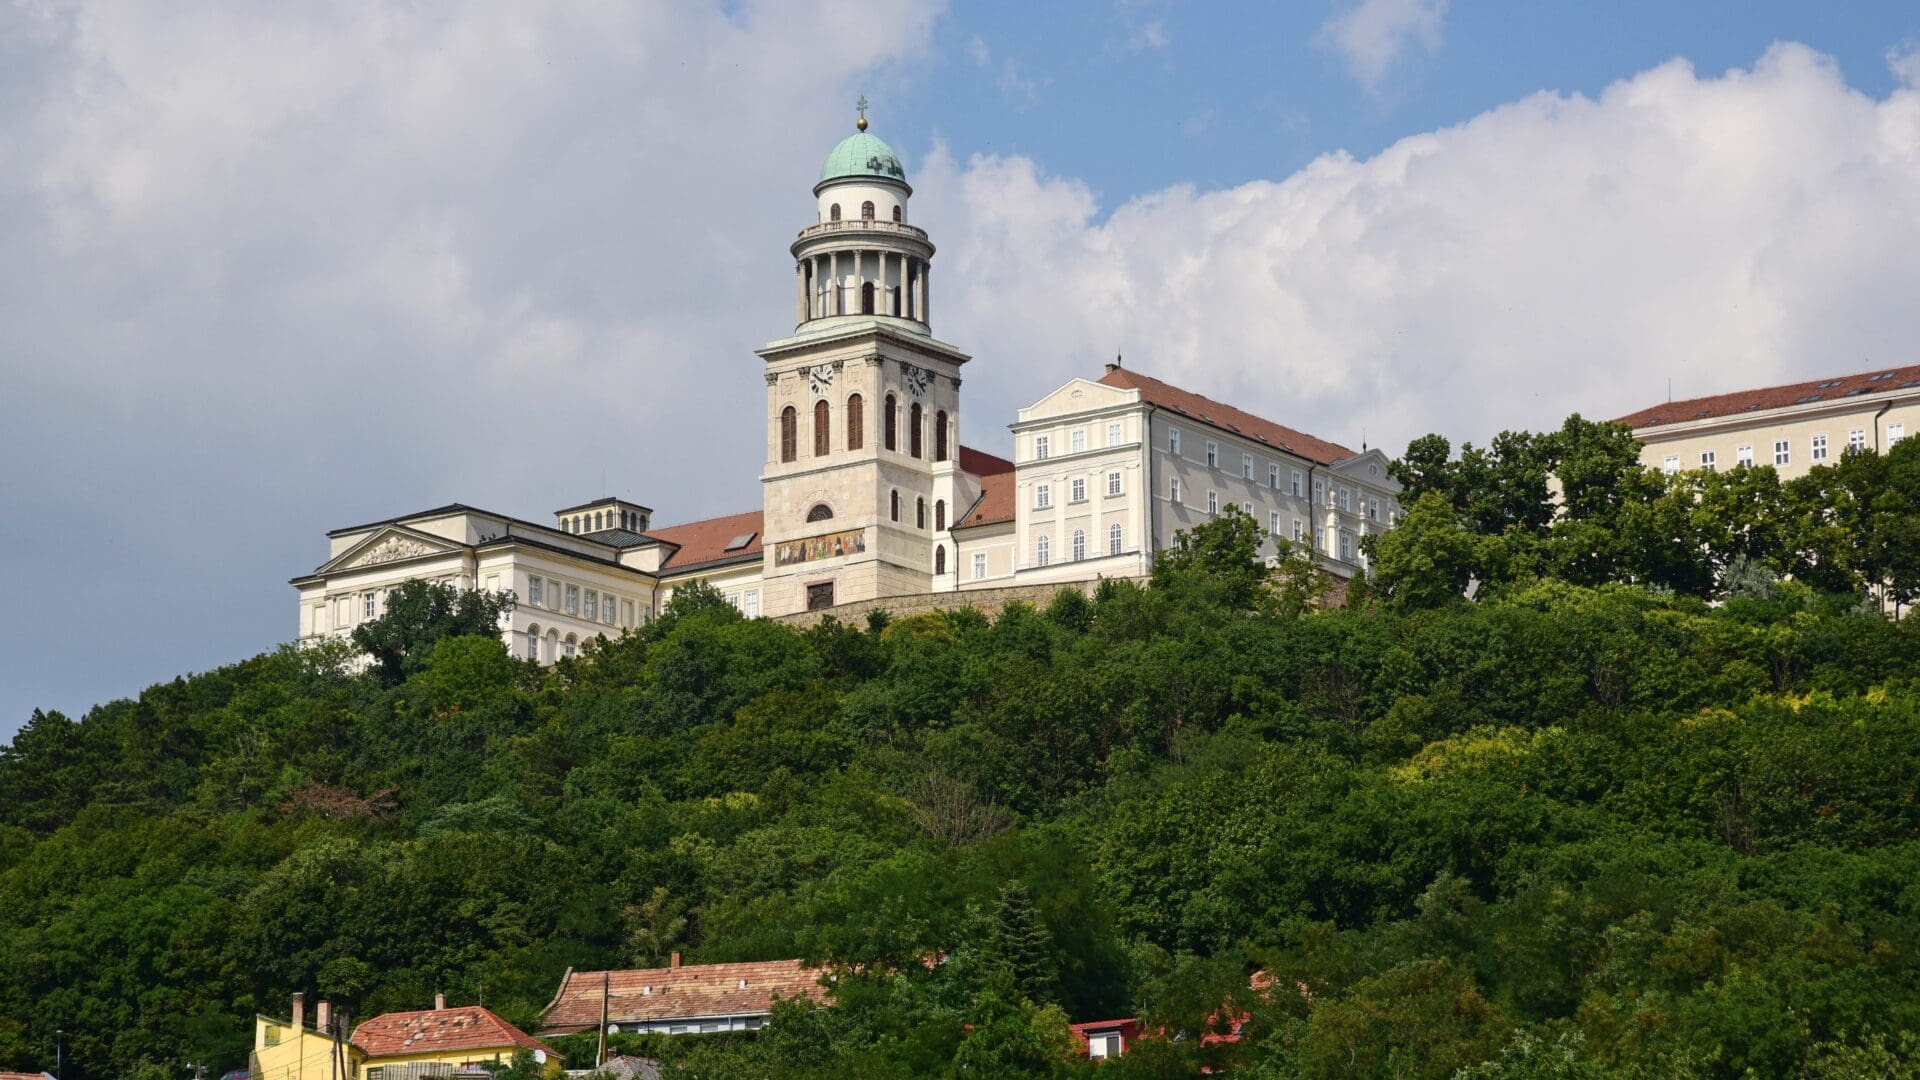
column 1373, row 35
column 1553, row 255
column 1009, row 77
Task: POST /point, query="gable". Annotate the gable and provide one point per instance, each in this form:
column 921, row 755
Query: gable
column 395, row 543
column 1077, row 396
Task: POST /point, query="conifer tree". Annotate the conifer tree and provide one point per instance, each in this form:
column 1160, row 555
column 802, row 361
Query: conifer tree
column 1019, row 945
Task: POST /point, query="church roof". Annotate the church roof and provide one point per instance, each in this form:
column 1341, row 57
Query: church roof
column 676, row 993
column 470, row 1027
column 995, row 504
column 861, row 154
column 1207, row 411
column 1835, row 388
column 981, row 463
column 733, row 538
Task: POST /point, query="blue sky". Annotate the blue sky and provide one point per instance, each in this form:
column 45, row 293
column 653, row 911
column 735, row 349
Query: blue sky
column 273, row 269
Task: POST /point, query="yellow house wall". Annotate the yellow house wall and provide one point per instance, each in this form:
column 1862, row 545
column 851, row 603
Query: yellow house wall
column 1725, row 435
column 300, row 1054
column 502, row 1054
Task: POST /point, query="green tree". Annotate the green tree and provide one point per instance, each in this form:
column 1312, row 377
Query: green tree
column 1019, row 945
column 419, row 614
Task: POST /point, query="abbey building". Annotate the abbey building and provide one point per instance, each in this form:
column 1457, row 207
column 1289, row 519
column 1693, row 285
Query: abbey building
column 868, row 491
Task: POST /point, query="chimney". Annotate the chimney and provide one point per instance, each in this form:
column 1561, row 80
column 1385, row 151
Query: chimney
column 299, row 1008
column 1115, row 366
column 323, row 1016
column 439, row 1002
column 675, row 962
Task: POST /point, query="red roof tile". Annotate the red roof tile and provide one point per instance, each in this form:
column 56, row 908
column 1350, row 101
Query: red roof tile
column 994, row 505
column 1834, row 388
column 981, row 463
column 675, row 993
column 710, row 540
column 468, row 1027
column 1208, row 411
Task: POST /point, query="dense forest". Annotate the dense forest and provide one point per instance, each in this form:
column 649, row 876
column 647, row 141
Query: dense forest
column 1646, row 805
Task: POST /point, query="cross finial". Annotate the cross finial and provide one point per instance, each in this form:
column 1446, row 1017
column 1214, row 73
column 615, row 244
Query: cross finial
column 862, row 106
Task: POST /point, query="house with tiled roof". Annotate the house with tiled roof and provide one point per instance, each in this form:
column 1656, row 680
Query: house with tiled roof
column 403, row 1045
column 1791, row 427
column 678, row 999
column 866, row 491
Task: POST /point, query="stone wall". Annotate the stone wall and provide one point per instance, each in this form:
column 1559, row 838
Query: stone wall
column 989, row 601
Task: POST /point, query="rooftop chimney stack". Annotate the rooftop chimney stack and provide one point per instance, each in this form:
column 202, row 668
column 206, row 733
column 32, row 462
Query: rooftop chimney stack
column 323, row 1016
column 299, row 1008
column 675, row 962
column 439, row 1002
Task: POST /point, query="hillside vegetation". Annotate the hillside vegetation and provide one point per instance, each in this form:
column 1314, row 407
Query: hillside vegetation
column 1564, row 830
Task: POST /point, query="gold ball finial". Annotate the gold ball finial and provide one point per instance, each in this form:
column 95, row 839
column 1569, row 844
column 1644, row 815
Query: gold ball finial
column 861, row 123
column 862, row 106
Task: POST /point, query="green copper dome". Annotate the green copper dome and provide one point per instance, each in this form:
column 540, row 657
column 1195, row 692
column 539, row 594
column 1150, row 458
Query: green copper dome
column 861, row 154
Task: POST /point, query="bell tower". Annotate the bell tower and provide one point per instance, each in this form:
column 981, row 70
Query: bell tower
column 863, row 403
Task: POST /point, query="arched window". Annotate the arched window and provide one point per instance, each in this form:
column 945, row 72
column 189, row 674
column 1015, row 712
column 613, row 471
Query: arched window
column 913, row 430
column 833, row 212
column 940, row 435
column 1079, row 544
column 822, row 434
column 939, row 559
column 856, row 422
column 920, row 513
column 820, row 512
column 893, row 506
column 891, row 423
column 569, row 646
column 533, row 643
column 1042, row 551
column 789, row 434
column 596, row 521
column 866, row 298
column 896, row 213
column 939, row 515
column 1113, row 539
column 866, row 211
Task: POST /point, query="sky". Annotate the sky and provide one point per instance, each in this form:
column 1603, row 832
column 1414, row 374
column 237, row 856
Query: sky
column 270, row 269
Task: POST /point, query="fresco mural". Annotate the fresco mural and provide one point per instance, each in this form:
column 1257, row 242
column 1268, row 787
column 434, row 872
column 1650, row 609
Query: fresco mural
column 814, row 548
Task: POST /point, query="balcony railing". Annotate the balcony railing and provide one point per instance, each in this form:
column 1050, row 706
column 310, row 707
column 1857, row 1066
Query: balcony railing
column 825, row 228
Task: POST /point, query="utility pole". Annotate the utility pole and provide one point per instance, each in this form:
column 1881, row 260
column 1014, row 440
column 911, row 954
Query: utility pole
column 606, row 988
column 59, row 1054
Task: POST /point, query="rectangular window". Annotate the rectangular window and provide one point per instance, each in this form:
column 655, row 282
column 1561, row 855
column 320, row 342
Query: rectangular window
column 750, row 603
column 1113, row 539
column 1213, row 501
column 1078, row 440
column 1319, row 490
column 1706, row 460
column 607, row 612
column 1173, row 488
column 1246, row 466
column 1078, row 489
column 366, row 606
column 1857, row 439
column 1213, row 454
column 1042, row 496
column 1671, row 465
column 1819, row 448
column 533, row 645
column 1173, row 441
column 1782, row 452
column 533, row 591
column 1896, row 432
column 1042, row 551
column 592, row 605
column 1346, row 497
column 1040, row 447
column 1299, row 530
column 1297, row 489
column 1113, row 483
column 1273, row 477
column 1113, row 434
column 573, row 599
column 1273, row 522
column 1743, row 455
column 1373, row 509
column 1346, row 546
column 979, row 565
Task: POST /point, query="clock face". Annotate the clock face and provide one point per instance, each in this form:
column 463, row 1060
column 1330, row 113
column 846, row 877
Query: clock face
column 820, row 377
column 916, row 379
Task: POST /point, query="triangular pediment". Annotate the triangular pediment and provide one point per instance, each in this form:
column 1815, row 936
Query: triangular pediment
column 393, row 543
column 1078, row 395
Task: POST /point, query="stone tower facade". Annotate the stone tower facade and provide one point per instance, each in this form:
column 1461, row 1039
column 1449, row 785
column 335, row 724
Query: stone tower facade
column 863, row 404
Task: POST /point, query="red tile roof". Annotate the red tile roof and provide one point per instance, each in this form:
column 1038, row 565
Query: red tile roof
column 24, row 1076
column 468, row 1027
column 994, row 505
column 1226, row 417
column 1835, row 388
column 708, row 541
column 981, row 463
column 676, row 993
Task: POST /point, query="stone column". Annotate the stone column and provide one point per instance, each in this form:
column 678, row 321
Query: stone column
column 859, row 276
column 838, row 305
column 926, row 293
column 800, row 290
column 816, row 296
